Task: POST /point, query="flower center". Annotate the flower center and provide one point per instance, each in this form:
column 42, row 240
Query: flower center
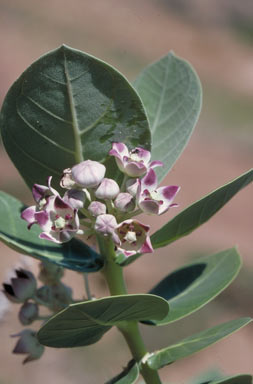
column 155, row 195
column 42, row 202
column 130, row 237
column 60, row 223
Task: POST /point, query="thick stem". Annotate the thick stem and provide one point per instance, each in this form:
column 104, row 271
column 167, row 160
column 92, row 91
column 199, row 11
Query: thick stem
column 114, row 276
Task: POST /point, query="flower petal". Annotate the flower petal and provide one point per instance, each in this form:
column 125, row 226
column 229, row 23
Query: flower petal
column 28, row 214
column 149, row 181
column 147, row 246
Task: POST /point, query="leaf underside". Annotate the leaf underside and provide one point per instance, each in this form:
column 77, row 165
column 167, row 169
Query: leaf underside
column 85, row 323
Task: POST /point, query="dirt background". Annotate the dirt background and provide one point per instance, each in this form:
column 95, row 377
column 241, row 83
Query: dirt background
column 216, row 37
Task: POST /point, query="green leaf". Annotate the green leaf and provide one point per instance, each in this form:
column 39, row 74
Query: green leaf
column 171, row 93
column 13, row 232
column 192, row 286
column 66, row 107
column 128, row 376
column 199, row 212
column 195, row 343
column 85, row 323
column 240, row 379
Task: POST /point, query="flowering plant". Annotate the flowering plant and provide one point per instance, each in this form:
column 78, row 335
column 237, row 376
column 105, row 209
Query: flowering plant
column 76, row 123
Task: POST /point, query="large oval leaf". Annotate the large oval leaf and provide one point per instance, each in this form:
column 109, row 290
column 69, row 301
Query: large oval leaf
column 199, row 212
column 66, row 107
column 128, row 376
column 191, row 287
column 195, row 343
column 171, row 92
column 85, row 323
column 73, row 255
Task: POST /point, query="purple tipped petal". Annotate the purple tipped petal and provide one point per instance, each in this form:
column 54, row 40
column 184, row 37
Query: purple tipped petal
column 120, row 148
column 42, row 218
column 28, row 214
column 169, row 192
column 142, row 153
column 156, row 163
column 59, row 203
column 149, row 181
column 147, row 246
column 39, row 192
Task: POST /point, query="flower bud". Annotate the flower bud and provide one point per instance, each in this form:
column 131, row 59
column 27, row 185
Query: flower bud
column 124, row 202
column 28, row 313
column 75, row 198
column 21, row 288
column 132, row 186
column 44, row 293
column 106, row 224
column 96, row 208
column 66, row 180
column 28, row 344
column 88, row 173
column 107, row 190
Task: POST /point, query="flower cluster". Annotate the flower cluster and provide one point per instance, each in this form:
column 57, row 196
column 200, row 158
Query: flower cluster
column 105, row 207
column 22, row 289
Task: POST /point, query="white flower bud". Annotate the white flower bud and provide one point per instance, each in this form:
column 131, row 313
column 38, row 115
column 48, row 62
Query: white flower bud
column 107, row 190
column 88, row 173
column 124, row 202
column 105, row 224
column 96, row 208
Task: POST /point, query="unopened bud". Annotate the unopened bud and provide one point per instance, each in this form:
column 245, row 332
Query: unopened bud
column 96, row 208
column 107, row 190
column 28, row 313
column 105, row 224
column 66, row 180
column 88, row 173
column 75, row 198
column 132, row 186
column 124, row 202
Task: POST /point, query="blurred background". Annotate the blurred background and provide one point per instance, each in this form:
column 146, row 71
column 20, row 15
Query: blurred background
column 216, row 37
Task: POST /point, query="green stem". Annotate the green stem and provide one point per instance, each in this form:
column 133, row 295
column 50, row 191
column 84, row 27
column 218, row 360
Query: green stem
column 130, row 330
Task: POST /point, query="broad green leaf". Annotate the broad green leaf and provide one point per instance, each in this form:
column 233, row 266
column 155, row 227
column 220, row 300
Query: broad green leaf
column 198, row 213
column 13, row 232
column 171, row 93
column 66, row 107
column 240, row 379
column 85, row 323
column 192, row 286
column 195, row 343
column 128, row 376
